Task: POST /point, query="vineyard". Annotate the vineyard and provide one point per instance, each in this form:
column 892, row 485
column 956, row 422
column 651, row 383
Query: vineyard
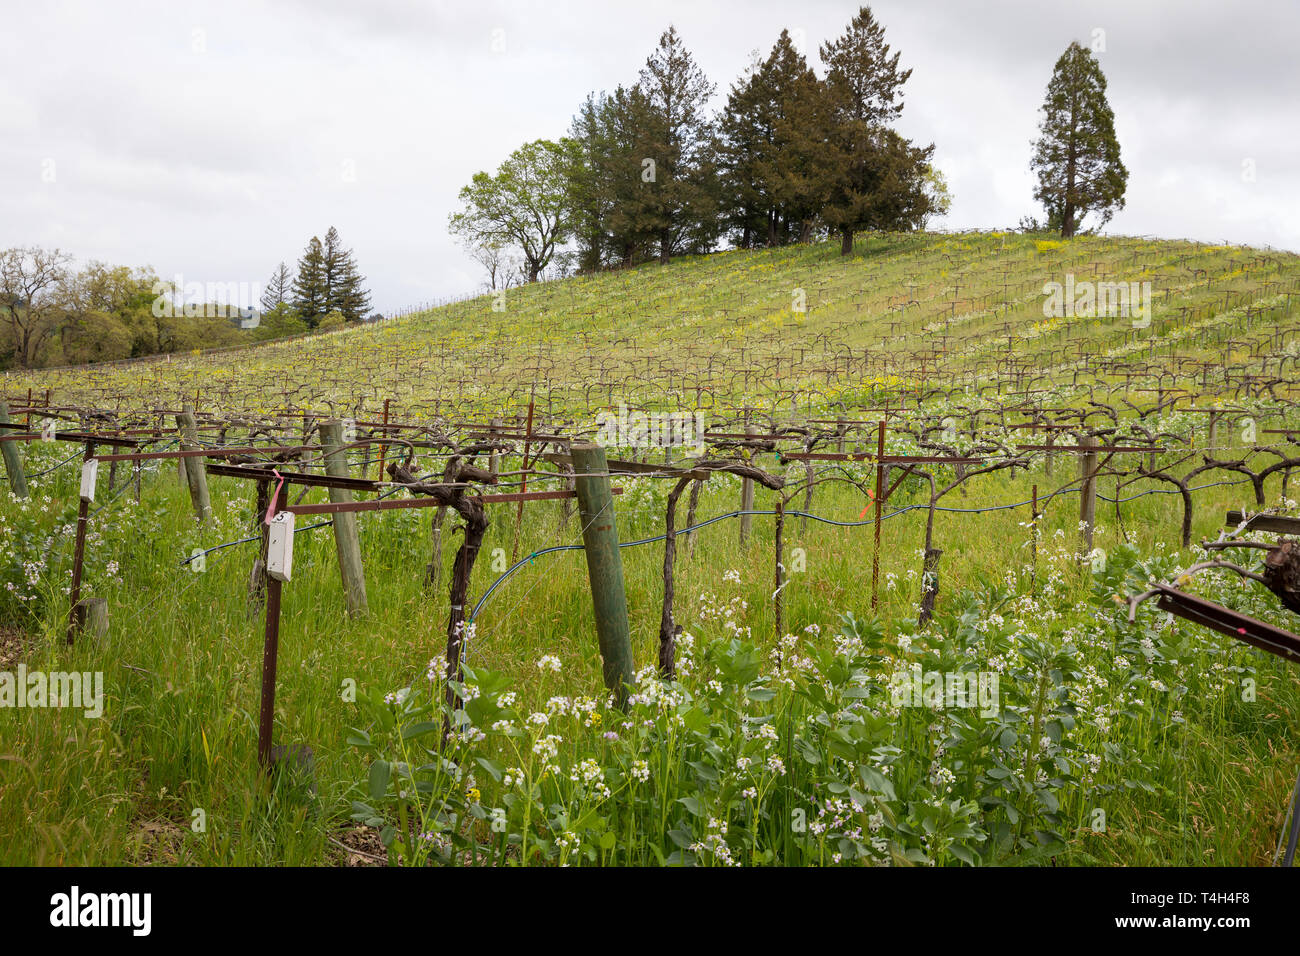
column 965, row 549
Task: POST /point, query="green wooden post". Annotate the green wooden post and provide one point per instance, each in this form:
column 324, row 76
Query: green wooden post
column 604, row 566
column 1088, row 491
column 195, row 473
column 345, row 524
column 13, row 458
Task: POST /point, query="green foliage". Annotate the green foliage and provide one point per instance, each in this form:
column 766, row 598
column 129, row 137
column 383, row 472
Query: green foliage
column 278, row 291
column 877, row 178
column 311, row 291
column 345, row 291
column 772, row 152
column 1076, row 157
column 678, row 210
column 524, row 205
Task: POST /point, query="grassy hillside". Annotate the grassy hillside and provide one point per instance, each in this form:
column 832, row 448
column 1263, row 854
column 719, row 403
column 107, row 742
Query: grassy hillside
column 1110, row 743
column 903, row 311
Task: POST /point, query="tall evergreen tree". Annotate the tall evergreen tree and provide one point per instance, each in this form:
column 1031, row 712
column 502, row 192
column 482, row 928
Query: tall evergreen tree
column 588, row 200
column 278, row 291
column 344, row 284
column 682, row 213
column 1077, row 154
column 310, row 289
column 745, row 135
column 350, row 294
column 863, row 84
column 772, row 149
column 798, row 166
column 613, row 208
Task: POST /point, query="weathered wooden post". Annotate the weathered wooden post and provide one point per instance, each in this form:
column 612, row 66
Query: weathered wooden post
column 383, row 448
column 93, row 614
column 880, row 502
column 1088, row 491
column 604, row 565
column 345, row 523
column 746, row 495
column 494, row 463
column 13, row 458
column 195, row 474
column 257, row 580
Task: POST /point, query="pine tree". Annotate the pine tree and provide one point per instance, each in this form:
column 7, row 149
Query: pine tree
column 350, row 295
column 1077, row 155
column 342, row 279
column 863, row 85
column 279, row 290
column 683, row 207
column 310, row 291
column 797, row 166
column 745, row 138
column 334, row 257
column 613, row 210
column 630, row 186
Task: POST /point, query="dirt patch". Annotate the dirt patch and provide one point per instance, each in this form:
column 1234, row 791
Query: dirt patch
column 358, row 846
column 13, row 647
column 159, row 842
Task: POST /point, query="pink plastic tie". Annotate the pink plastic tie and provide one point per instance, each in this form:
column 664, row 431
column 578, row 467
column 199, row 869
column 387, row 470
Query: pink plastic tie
column 270, row 508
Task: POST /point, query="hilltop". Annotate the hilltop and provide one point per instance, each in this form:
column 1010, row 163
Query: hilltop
column 796, row 324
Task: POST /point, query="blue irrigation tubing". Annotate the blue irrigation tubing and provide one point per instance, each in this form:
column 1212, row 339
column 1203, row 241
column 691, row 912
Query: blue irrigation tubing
column 734, row 514
column 256, row 537
column 75, row 454
column 703, row 524
column 804, row 514
column 296, row 531
column 42, row 474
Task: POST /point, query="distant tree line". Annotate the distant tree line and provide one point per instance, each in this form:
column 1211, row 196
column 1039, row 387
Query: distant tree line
column 54, row 314
column 647, row 173
column 328, row 291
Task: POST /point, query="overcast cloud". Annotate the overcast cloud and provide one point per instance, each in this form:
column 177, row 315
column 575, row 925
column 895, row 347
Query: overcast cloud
column 213, row 139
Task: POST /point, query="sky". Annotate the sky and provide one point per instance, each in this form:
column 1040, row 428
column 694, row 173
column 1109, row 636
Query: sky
column 212, row 140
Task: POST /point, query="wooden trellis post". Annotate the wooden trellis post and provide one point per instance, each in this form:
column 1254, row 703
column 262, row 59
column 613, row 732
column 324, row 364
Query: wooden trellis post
column 880, row 505
column 1088, row 490
column 194, row 473
column 1033, row 543
column 13, row 459
column 604, row 565
column 346, row 540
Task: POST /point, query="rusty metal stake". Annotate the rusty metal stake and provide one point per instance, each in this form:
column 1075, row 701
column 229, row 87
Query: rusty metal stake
column 880, row 505
column 77, row 613
column 270, row 653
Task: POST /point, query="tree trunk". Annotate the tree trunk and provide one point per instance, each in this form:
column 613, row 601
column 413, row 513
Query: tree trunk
column 846, row 241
